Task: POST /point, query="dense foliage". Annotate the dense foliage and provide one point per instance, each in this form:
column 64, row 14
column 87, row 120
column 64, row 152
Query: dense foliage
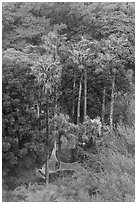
column 68, row 70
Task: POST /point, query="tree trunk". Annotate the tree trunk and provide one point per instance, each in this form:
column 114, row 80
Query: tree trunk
column 85, row 93
column 59, row 150
column 73, row 105
column 56, row 101
column 38, row 110
column 103, row 109
column 79, row 98
column 112, row 102
column 47, row 140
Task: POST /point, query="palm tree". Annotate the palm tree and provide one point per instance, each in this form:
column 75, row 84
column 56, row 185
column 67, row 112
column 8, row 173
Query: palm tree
column 110, row 56
column 87, row 53
column 65, row 129
column 78, row 54
column 48, row 72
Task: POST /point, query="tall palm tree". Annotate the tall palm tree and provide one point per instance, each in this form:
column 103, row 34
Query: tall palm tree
column 48, row 72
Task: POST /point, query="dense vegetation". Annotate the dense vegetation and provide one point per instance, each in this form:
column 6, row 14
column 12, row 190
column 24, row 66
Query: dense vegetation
column 68, row 68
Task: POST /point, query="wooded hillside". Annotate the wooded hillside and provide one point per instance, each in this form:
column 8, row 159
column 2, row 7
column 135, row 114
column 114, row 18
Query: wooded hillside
column 68, row 71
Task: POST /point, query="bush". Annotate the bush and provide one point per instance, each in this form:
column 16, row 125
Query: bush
column 110, row 174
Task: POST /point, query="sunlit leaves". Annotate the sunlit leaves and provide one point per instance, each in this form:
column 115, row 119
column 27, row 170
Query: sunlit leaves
column 113, row 52
column 11, row 55
column 83, row 52
column 47, row 71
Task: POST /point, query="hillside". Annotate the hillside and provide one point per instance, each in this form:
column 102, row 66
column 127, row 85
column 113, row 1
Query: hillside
column 68, row 101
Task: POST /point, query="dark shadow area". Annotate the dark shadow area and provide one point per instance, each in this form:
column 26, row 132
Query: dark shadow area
column 68, row 155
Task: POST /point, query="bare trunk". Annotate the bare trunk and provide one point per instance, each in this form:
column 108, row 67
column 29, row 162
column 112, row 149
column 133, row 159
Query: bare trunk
column 59, row 149
column 103, row 109
column 112, row 101
column 56, row 101
column 47, row 140
column 73, row 106
column 79, row 98
column 38, row 110
column 85, row 94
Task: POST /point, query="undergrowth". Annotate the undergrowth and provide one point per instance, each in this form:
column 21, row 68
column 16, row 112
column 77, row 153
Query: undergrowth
column 110, row 175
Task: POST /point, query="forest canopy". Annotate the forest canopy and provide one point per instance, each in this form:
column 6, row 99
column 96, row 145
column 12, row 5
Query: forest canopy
column 68, row 70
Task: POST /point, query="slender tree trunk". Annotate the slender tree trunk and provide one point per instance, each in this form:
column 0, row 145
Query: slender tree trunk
column 56, row 101
column 59, row 149
column 112, row 101
column 79, row 98
column 73, row 105
column 55, row 110
column 103, row 109
column 54, row 126
column 38, row 110
column 85, row 93
column 47, row 140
